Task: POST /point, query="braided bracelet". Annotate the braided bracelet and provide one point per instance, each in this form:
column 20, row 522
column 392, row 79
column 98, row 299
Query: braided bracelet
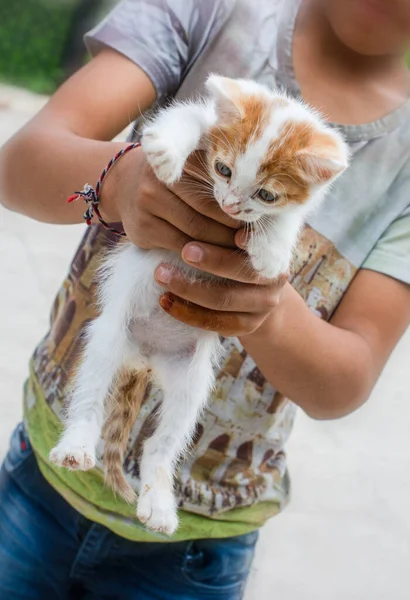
column 92, row 195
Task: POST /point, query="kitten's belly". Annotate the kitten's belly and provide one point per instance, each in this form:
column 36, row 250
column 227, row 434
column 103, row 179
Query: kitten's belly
column 151, row 331
column 163, row 335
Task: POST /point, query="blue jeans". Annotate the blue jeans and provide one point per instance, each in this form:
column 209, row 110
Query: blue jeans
column 49, row 551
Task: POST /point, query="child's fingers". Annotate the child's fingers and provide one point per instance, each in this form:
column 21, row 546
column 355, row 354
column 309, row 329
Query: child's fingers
column 223, row 262
column 196, row 189
column 226, row 323
column 221, row 294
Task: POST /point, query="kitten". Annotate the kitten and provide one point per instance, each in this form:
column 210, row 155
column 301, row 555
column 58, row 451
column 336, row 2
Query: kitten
column 271, row 160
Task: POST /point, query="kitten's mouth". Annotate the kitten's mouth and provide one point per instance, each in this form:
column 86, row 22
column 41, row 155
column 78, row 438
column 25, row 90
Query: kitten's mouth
column 238, row 216
column 244, row 215
column 232, row 213
column 231, row 209
column 236, row 213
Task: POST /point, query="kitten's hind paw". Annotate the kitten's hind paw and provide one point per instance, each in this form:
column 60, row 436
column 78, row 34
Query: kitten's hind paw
column 73, row 457
column 157, row 510
column 163, row 155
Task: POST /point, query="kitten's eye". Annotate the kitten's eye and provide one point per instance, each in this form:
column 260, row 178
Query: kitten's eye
column 267, row 196
column 223, row 169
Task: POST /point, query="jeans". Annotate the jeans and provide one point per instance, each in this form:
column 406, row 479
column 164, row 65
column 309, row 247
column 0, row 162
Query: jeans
column 49, row 551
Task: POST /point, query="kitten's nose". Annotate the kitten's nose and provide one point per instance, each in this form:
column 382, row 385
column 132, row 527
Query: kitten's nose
column 231, row 209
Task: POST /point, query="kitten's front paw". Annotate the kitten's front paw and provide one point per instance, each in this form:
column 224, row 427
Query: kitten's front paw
column 73, row 456
column 162, row 154
column 157, row 509
column 271, row 265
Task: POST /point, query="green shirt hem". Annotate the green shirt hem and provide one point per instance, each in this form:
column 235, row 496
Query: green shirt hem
column 86, row 492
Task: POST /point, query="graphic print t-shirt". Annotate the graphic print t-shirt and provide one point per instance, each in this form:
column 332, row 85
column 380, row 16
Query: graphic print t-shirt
column 235, row 477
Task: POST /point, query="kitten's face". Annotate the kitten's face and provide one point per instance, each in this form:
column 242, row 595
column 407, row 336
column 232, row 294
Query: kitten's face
column 267, row 153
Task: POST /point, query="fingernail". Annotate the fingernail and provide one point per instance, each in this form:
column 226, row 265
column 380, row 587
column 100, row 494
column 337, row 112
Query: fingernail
column 163, row 274
column 241, row 239
column 166, row 301
column 193, row 253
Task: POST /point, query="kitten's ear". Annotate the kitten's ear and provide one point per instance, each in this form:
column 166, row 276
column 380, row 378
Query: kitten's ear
column 226, row 93
column 324, row 158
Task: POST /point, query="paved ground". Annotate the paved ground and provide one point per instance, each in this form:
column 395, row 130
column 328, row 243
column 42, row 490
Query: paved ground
column 346, row 535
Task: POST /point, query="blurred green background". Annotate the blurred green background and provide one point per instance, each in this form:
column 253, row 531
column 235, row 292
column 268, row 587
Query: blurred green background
column 41, row 40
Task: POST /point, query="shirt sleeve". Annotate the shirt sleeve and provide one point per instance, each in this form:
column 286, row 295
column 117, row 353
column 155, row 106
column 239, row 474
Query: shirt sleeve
column 163, row 37
column 391, row 254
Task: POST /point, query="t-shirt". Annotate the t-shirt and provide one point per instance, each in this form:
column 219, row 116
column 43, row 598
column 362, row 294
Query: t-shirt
column 235, row 476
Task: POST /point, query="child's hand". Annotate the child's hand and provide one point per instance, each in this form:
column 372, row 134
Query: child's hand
column 234, row 306
column 153, row 216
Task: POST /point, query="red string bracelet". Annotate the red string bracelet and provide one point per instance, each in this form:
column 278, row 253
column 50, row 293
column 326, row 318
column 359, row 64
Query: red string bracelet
column 92, row 195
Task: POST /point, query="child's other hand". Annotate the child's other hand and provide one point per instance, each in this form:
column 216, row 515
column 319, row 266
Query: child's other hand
column 236, row 305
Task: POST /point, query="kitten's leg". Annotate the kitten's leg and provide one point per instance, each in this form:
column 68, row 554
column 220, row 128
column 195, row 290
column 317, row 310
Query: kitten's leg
column 125, row 403
column 173, row 135
column 106, row 350
column 186, row 385
column 271, row 251
column 103, row 356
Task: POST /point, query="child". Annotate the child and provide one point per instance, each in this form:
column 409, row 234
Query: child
column 318, row 341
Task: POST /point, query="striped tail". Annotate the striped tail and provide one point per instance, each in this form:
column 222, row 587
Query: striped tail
column 126, row 401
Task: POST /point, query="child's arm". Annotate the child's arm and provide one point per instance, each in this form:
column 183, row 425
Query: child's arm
column 67, row 144
column 328, row 369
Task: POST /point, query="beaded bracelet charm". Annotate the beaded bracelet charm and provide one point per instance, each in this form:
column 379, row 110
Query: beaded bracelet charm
column 92, row 195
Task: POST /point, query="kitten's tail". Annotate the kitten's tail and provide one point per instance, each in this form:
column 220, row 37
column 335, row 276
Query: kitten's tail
column 129, row 393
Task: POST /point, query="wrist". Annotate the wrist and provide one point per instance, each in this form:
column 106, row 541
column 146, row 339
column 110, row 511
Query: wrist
column 271, row 327
column 110, row 197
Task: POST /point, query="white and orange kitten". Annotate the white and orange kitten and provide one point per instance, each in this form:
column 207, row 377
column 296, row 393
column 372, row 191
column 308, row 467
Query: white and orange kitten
column 271, row 160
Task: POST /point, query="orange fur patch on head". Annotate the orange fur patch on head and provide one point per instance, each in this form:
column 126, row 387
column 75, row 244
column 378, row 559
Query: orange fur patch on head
column 297, row 158
column 280, row 166
column 234, row 137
